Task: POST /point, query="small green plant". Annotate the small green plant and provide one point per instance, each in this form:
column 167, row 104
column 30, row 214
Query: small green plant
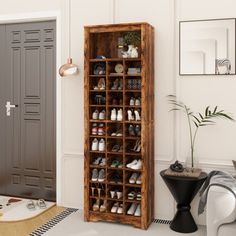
column 132, row 38
column 197, row 120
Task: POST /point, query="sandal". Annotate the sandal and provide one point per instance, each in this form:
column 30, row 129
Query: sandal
column 41, row 204
column 30, row 205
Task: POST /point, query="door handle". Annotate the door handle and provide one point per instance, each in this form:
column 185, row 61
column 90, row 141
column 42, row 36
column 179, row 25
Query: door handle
column 8, row 107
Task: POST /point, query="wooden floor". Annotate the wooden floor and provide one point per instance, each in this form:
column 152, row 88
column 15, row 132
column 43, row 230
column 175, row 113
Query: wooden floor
column 23, row 228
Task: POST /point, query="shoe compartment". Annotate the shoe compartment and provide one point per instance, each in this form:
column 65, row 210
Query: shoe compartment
column 115, row 146
column 115, row 177
column 97, row 68
column 97, row 112
column 133, row 194
column 98, row 99
column 115, row 130
column 115, row 68
column 97, row 129
column 97, row 190
column 133, row 146
column 116, row 83
column 133, row 67
column 115, row 98
column 132, row 131
column 115, row 161
column 115, row 193
column 131, row 209
column 128, row 175
column 133, row 83
column 133, row 114
column 98, row 158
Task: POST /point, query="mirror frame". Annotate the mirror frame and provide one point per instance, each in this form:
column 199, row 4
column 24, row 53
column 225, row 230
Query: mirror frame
column 186, row 21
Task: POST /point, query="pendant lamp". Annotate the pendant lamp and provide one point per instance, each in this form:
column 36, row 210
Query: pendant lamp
column 69, row 69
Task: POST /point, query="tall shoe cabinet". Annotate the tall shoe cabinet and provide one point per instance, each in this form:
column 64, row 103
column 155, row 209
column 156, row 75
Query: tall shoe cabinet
column 102, row 40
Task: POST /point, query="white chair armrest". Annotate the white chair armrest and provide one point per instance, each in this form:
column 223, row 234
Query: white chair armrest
column 221, row 209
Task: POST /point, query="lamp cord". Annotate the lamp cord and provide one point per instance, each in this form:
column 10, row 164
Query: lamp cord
column 69, row 28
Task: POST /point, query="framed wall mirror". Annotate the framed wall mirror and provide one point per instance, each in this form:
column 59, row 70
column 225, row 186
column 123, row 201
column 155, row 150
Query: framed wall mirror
column 207, row 47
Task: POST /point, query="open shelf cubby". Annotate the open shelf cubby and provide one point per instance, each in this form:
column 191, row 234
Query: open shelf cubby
column 119, row 126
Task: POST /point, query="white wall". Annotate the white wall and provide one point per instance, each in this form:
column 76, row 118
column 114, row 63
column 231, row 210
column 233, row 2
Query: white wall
column 214, row 146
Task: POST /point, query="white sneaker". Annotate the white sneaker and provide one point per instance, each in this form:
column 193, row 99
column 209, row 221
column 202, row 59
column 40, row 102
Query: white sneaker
column 138, row 211
column 133, row 178
column 113, row 114
column 132, row 163
column 119, row 115
column 137, row 116
column 131, row 102
column 115, row 207
column 130, row 115
column 102, row 115
column 139, row 180
column 101, row 145
column 137, row 166
column 132, row 209
column 95, row 115
column 94, row 145
column 137, row 102
column 119, row 195
column 120, row 209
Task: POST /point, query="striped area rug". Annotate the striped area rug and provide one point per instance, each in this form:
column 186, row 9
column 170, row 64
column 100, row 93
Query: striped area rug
column 54, row 221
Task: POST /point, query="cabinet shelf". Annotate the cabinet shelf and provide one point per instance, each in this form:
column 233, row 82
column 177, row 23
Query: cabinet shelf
column 103, row 40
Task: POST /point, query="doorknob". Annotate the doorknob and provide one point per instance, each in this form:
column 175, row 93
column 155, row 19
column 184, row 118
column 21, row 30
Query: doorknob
column 8, row 108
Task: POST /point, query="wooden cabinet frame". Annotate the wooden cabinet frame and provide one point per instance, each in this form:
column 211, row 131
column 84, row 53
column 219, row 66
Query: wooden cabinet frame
column 102, row 40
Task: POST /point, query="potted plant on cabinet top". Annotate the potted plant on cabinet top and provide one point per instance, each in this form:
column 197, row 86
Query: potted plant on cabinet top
column 197, row 120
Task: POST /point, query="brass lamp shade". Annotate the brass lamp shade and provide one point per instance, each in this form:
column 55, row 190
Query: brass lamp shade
column 68, row 69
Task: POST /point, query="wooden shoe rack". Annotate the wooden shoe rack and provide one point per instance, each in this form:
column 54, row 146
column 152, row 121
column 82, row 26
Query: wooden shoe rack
column 110, row 84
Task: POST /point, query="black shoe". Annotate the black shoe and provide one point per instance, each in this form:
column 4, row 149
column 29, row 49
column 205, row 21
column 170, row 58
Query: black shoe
column 131, row 130
column 137, row 130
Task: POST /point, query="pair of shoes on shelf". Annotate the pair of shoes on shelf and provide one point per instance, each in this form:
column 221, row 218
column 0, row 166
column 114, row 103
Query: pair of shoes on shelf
column 98, row 145
column 101, row 161
column 98, row 175
column 135, row 178
column 117, row 84
column 133, row 84
column 99, row 99
column 133, row 115
column 135, row 101
column 117, row 208
column 135, row 209
column 99, row 115
column 99, row 190
column 117, row 115
column 98, row 129
column 116, row 164
column 101, row 84
column 116, row 101
column 31, row 205
column 137, row 146
column 134, row 131
column 116, row 194
column 117, row 148
column 135, row 164
column 100, row 207
column 134, row 195
column 117, row 133
column 116, row 178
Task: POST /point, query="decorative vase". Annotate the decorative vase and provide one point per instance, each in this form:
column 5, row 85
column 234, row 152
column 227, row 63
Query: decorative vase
column 132, row 51
column 191, row 163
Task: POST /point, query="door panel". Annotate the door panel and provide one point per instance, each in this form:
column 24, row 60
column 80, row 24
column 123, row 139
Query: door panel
column 30, row 84
column 2, row 111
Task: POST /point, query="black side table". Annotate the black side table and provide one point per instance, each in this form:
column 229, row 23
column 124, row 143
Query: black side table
column 183, row 190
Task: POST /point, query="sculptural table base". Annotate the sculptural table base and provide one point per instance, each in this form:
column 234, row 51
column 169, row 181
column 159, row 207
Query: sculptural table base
column 183, row 190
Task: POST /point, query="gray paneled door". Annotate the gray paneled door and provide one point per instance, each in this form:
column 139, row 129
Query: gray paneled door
column 28, row 130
